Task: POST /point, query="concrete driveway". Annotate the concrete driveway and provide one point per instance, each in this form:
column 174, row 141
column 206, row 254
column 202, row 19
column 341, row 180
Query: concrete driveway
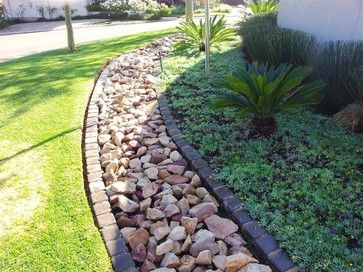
column 25, row 39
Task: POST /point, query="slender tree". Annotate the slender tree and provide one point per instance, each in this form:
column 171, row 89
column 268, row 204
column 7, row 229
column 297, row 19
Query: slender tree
column 68, row 18
column 188, row 10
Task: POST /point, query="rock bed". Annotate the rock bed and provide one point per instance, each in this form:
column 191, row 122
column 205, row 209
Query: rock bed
column 169, row 221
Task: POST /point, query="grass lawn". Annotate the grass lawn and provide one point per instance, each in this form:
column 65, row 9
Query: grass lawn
column 45, row 220
column 304, row 183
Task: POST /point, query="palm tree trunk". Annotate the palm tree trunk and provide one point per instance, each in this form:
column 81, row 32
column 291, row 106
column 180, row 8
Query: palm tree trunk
column 188, row 10
column 68, row 18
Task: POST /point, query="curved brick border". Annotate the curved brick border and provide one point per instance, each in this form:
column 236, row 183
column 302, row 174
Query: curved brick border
column 267, row 248
column 94, row 185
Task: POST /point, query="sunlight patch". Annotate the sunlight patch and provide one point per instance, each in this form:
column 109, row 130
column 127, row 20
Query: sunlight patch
column 21, row 187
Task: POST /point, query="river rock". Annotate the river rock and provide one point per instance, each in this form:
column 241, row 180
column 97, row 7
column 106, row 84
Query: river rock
column 220, row 227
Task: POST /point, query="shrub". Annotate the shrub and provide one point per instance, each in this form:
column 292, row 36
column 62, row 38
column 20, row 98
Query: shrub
column 341, row 65
column 351, row 117
column 194, row 35
column 262, row 6
column 263, row 41
column 265, row 90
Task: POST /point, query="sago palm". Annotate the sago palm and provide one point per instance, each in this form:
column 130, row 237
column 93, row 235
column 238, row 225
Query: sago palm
column 264, row 90
column 263, row 6
column 194, row 34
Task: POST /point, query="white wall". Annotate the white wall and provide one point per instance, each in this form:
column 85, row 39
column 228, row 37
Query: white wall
column 326, row 19
column 28, row 8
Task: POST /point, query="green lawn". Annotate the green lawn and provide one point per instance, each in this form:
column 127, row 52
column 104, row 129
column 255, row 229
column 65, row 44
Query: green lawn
column 45, row 220
column 304, row 183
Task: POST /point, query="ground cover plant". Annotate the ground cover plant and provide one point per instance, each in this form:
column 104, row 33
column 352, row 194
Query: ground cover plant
column 46, row 223
column 304, row 183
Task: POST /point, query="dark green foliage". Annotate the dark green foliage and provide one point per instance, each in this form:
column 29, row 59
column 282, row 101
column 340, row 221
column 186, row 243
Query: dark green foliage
column 304, row 183
column 195, row 34
column 265, row 90
column 341, row 65
column 263, row 6
column 265, row 42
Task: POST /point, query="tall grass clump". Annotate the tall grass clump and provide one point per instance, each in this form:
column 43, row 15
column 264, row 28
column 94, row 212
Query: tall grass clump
column 263, row 41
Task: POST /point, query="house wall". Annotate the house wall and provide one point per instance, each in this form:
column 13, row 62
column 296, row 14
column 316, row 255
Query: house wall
column 326, row 19
column 29, row 8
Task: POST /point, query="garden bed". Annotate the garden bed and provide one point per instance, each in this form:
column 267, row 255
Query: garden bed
column 304, row 183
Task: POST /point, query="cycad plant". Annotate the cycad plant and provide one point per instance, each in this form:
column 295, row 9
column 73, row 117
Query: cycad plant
column 263, row 6
column 194, row 34
column 264, row 90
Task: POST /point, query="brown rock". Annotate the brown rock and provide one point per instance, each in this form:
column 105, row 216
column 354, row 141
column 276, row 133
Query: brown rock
column 154, row 214
column 150, row 189
column 201, row 192
column 124, row 221
column 170, row 260
column 193, row 200
column 127, row 205
column 127, row 232
column 175, row 179
column 196, row 182
column 147, row 266
column 204, row 258
column 161, row 232
column 189, row 190
column 145, row 204
column 221, row 227
column 157, row 158
column 139, row 253
column 156, row 225
column 220, row 262
column 203, row 210
column 177, row 234
column 237, row 261
column 163, row 173
column 235, row 240
column 164, row 247
column 206, row 244
column 175, row 169
column 187, row 263
column 186, row 245
column 183, row 205
column 254, row 267
column 190, row 224
column 125, row 187
column 141, row 236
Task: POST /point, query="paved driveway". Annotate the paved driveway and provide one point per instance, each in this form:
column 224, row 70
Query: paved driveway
column 25, row 39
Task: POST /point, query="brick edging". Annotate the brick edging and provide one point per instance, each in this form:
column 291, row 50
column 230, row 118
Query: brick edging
column 94, row 186
column 267, row 248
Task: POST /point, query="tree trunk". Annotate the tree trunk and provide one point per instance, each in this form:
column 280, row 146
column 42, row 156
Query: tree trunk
column 207, row 39
column 188, row 10
column 68, row 18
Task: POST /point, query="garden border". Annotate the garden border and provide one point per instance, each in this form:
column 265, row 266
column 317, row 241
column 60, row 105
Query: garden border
column 94, row 186
column 267, row 249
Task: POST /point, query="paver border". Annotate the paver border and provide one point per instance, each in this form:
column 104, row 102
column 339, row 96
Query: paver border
column 94, row 186
column 267, row 249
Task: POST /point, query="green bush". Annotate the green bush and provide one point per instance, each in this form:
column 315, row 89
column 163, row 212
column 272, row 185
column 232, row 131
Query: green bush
column 263, row 41
column 341, row 65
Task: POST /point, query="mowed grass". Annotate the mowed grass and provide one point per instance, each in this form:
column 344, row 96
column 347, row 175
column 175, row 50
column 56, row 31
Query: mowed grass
column 42, row 102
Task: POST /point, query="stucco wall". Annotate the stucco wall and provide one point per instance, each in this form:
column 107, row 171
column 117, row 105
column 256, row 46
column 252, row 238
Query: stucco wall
column 327, row 19
column 29, row 8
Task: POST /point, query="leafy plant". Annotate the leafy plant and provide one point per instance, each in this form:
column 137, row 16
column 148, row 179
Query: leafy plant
column 264, row 41
column 262, row 6
column 194, row 34
column 264, row 90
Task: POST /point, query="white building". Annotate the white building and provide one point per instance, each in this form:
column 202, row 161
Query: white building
column 48, row 9
column 328, row 20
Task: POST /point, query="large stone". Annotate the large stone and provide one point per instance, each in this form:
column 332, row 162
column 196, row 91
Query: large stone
column 154, row 214
column 175, row 155
column 175, row 169
column 221, row 227
column 170, row 260
column 235, row 240
column 175, row 179
column 201, row 192
column 168, row 199
column 171, row 210
column 151, row 173
column 125, row 187
column 135, row 163
column 206, row 244
column 147, row 266
column 124, row 221
column 220, row 262
column 103, row 138
column 161, row 232
column 139, row 253
column 186, row 264
column 254, row 267
column 177, row 234
column 186, row 245
column 202, row 234
column 158, row 158
column 203, row 210
column 237, row 261
column 204, row 258
column 141, row 236
column 189, row 223
column 127, row 205
column 150, row 189
column 127, row 233
column 145, row 204
column 164, row 247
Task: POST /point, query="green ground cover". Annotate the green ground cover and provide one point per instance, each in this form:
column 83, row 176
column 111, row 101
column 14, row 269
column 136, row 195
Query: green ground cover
column 304, row 183
column 46, row 223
